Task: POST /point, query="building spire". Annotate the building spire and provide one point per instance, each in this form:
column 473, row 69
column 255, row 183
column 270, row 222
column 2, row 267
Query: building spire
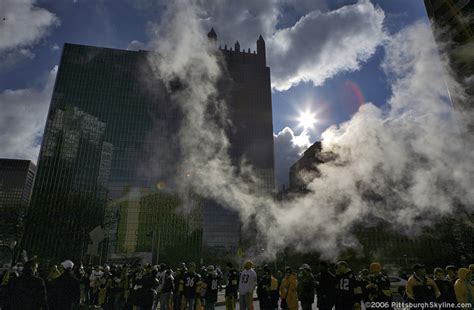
column 212, row 34
column 261, row 49
column 237, row 46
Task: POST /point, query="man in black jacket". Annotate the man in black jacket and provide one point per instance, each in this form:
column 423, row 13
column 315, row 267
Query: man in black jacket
column 306, row 288
column 27, row 292
column 325, row 287
column 446, row 287
column 66, row 289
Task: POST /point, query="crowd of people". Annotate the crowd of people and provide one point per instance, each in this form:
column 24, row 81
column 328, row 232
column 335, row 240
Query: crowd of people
column 139, row 287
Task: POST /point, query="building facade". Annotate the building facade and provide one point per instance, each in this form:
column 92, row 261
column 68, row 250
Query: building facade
column 16, row 183
column 110, row 153
column 452, row 22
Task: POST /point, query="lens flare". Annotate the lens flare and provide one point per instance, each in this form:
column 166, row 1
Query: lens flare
column 307, row 119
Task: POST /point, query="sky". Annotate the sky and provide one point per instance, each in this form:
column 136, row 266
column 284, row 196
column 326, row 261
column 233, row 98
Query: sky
column 325, row 57
column 365, row 75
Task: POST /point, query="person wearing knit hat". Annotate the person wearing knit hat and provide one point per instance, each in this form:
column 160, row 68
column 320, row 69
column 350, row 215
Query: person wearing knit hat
column 66, row 291
column 306, row 287
column 248, row 282
column 210, row 288
column 348, row 289
column 378, row 289
column 420, row 288
column 445, row 287
column 67, row 265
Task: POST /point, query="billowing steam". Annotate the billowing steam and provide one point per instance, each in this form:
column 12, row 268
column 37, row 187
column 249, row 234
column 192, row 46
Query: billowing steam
column 408, row 164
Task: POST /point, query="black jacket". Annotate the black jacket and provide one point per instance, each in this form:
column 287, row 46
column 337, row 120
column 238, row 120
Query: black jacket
column 306, row 288
column 65, row 292
column 27, row 292
column 325, row 288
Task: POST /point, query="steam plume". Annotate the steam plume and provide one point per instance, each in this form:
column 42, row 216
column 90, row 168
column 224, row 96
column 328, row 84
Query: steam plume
column 408, row 164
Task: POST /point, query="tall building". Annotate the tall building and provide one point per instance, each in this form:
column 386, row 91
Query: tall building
column 110, row 153
column 16, row 183
column 452, row 22
column 453, row 25
column 305, row 168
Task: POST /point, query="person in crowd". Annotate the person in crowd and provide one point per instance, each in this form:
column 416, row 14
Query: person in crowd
column 167, row 289
column 267, row 290
column 420, row 288
column 231, row 287
column 364, row 282
column 103, row 288
column 80, row 274
column 53, row 274
column 325, row 287
column 188, row 287
column 135, row 284
column 209, row 288
column 347, row 288
column 446, row 288
column 379, row 287
column 463, row 288
column 115, row 289
column 66, row 293
column 289, row 290
column 27, row 291
column 94, row 284
column 471, row 268
column 247, row 284
column 306, row 288
column 180, row 271
column 271, row 287
column 262, row 292
column 451, row 273
column 146, row 286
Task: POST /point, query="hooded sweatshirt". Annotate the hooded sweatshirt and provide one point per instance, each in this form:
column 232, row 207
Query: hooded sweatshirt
column 463, row 287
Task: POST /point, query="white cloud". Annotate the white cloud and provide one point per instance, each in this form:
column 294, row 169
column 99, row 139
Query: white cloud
column 55, row 47
column 23, row 118
column 319, row 46
column 288, row 149
column 322, row 44
column 14, row 57
column 25, row 24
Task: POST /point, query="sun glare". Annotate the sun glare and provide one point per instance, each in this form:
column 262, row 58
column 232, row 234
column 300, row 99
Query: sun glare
column 307, row 119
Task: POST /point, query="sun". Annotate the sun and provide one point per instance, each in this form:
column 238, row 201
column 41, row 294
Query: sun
column 307, row 119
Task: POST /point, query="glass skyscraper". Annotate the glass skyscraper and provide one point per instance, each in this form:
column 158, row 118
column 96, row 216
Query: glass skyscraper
column 16, row 183
column 110, row 153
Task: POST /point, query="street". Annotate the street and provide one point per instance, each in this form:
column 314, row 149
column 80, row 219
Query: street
column 256, row 306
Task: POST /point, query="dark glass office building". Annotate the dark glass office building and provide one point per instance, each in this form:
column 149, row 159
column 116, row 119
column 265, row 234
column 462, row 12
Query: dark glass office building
column 453, row 25
column 110, row 153
column 16, row 183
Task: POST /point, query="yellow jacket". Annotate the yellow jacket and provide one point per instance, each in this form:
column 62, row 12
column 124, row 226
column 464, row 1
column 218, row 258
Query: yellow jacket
column 288, row 289
column 463, row 287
